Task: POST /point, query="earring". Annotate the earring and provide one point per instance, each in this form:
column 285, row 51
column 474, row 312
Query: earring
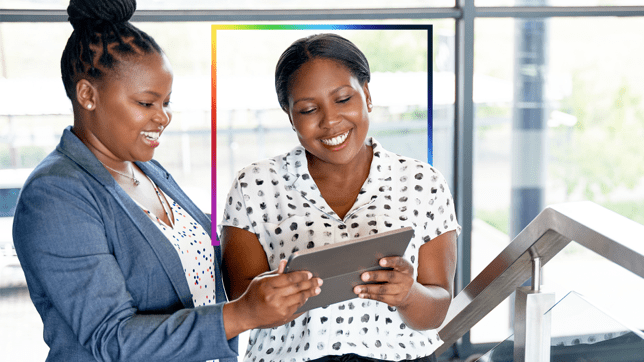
column 89, row 106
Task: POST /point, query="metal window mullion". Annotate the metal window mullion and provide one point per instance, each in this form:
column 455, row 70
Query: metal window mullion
column 286, row 15
column 558, row 11
column 464, row 140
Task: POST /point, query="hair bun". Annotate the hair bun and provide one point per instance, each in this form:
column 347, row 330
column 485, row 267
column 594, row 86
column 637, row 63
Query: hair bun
column 91, row 11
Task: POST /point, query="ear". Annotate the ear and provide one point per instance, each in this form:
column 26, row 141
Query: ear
column 86, row 94
column 367, row 96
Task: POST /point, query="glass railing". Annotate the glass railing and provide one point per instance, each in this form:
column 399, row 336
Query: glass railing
column 608, row 234
column 580, row 331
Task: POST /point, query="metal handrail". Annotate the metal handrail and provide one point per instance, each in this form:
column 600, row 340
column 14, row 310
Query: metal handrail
column 610, row 235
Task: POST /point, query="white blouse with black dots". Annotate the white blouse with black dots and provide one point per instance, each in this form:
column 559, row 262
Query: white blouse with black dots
column 278, row 201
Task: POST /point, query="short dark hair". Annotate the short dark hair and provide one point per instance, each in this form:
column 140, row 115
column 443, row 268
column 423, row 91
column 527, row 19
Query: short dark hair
column 330, row 46
column 102, row 37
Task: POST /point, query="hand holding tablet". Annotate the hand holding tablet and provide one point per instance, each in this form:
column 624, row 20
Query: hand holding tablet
column 341, row 265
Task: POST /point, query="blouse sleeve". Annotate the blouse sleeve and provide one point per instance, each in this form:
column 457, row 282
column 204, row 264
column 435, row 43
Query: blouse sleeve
column 236, row 212
column 80, row 289
column 440, row 214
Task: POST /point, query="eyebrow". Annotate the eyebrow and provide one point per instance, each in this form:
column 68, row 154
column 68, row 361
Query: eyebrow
column 153, row 93
column 332, row 92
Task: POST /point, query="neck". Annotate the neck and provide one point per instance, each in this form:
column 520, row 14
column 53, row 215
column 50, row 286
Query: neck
column 357, row 169
column 103, row 155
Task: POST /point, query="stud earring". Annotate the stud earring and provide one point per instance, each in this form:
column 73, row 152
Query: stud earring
column 89, row 106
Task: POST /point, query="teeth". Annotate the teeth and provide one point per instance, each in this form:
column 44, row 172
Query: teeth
column 152, row 136
column 336, row 140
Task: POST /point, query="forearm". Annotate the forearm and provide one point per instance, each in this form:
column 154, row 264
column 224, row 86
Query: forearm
column 425, row 307
column 191, row 333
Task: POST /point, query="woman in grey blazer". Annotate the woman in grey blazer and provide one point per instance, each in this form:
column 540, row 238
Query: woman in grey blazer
column 98, row 226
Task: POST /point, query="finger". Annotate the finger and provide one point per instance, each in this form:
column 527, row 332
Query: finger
column 387, row 276
column 298, row 299
column 281, row 267
column 378, row 289
column 398, row 263
column 311, row 284
column 385, row 298
column 285, row 280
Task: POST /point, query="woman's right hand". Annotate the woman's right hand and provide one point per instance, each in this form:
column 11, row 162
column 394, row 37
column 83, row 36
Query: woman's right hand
column 270, row 300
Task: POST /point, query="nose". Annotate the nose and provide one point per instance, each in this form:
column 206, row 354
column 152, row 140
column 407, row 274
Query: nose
column 331, row 117
column 163, row 116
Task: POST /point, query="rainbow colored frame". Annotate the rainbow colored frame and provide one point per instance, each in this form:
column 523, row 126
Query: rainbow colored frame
column 216, row 28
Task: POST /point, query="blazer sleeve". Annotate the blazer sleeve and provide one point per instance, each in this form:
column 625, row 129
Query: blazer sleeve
column 61, row 240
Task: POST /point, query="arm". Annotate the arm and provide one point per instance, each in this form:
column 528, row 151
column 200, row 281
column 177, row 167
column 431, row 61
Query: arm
column 262, row 299
column 78, row 265
column 243, row 258
column 422, row 303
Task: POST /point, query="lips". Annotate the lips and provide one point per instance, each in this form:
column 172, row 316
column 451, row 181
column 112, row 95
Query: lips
column 151, row 138
column 337, row 140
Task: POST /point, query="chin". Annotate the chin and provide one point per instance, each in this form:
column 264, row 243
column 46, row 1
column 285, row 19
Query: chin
column 144, row 157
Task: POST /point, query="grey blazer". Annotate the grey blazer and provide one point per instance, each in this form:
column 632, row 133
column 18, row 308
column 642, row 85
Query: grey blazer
column 107, row 283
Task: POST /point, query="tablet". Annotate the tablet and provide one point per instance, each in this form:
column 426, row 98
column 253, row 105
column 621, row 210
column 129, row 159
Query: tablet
column 340, row 265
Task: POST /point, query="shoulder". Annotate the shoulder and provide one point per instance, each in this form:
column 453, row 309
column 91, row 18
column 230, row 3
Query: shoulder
column 277, row 167
column 57, row 171
column 399, row 164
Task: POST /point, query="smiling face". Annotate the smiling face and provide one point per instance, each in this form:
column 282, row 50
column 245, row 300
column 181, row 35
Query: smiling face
column 329, row 109
column 128, row 110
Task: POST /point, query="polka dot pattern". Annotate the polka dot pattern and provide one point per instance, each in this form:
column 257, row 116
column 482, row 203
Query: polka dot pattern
column 194, row 247
column 278, row 200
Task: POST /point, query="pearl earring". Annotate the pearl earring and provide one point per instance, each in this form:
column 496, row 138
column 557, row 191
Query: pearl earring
column 89, row 106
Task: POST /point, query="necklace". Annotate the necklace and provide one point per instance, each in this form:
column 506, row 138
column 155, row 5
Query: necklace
column 134, row 179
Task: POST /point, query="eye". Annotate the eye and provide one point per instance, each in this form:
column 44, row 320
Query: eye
column 146, row 104
column 307, row 111
column 166, row 104
column 344, row 100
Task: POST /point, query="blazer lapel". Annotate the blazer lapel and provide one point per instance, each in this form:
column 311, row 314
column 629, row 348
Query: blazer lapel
column 163, row 180
column 74, row 149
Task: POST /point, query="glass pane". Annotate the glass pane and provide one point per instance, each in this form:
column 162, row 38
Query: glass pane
column 588, row 147
column 577, row 268
column 581, row 332
column 502, row 352
column 491, row 186
column 8, row 200
column 238, row 4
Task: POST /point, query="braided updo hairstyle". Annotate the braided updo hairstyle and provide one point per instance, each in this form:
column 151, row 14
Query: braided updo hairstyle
column 102, row 37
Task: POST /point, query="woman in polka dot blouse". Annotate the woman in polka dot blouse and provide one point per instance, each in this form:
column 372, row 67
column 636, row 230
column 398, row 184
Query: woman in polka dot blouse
column 339, row 185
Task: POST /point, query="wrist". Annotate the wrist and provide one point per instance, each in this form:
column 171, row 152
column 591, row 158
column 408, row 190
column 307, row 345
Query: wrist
column 236, row 319
column 407, row 302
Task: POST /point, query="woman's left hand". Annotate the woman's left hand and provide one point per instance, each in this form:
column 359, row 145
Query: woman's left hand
column 395, row 285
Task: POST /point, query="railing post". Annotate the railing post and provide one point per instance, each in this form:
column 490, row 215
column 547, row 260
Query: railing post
column 531, row 323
